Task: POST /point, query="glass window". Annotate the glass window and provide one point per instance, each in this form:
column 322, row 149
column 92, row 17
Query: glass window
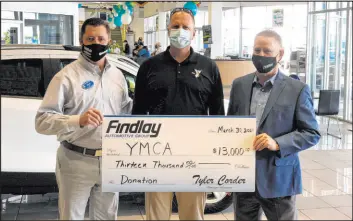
column 249, row 15
column 299, row 21
column 332, row 5
column 45, row 28
column 349, row 73
column 292, row 30
column 320, row 6
column 230, row 31
column 11, row 15
column 201, row 19
column 10, row 32
column 29, row 15
column 319, row 44
column 145, row 25
column 22, row 77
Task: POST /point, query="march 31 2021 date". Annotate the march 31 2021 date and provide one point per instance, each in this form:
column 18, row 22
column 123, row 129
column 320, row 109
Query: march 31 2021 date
column 237, row 130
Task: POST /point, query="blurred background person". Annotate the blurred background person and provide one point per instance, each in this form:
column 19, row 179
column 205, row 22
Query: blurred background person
column 140, row 41
column 143, row 53
column 126, row 48
column 158, row 49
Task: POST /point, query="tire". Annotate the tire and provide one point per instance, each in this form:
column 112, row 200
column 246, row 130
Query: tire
column 215, row 203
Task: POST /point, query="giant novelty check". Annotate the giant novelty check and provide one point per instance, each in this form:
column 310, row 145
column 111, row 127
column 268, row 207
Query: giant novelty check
column 178, row 154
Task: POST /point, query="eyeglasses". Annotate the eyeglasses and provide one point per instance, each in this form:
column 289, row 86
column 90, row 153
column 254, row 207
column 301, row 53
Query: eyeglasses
column 175, row 10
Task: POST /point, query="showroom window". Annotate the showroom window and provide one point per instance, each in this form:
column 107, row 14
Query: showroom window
column 22, row 77
column 329, row 50
column 292, row 28
column 43, row 28
column 201, row 19
column 11, row 22
column 36, row 28
column 150, row 35
column 230, row 32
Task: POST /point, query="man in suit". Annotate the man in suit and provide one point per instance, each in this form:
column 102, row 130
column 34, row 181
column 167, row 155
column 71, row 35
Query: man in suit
column 286, row 125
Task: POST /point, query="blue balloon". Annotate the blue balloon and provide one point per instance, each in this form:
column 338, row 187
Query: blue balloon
column 131, row 9
column 192, row 7
column 110, row 19
column 79, row 5
column 117, row 20
column 116, row 8
column 122, row 10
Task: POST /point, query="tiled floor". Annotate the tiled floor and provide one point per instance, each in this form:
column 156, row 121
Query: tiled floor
column 327, row 183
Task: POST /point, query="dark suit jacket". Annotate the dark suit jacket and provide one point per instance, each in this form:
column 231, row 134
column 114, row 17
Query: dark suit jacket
column 289, row 118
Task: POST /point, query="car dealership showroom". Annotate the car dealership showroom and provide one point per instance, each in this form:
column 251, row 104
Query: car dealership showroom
column 176, row 110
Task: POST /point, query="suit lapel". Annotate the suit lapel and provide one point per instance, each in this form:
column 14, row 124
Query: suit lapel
column 274, row 94
column 247, row 88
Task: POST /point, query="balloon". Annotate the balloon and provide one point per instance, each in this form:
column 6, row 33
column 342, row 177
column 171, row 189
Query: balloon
column 192, row 7
column 117, row 20
column 110, row 19
column 79, row 5
column 130, row 8
column 112, row 25
column 122, row 10
column 126, row 19
column 115, row 9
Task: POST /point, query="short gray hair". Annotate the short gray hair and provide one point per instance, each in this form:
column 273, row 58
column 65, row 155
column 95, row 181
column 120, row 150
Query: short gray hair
column 271, row 34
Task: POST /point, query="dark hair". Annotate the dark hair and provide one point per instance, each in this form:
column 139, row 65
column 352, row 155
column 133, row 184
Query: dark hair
column 271, row 34
column 93, row 22
column 125, row 41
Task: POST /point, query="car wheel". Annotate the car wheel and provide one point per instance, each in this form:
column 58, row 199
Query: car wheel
column 216, row 202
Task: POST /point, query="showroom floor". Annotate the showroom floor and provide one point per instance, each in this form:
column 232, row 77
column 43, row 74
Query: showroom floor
column 327, row 182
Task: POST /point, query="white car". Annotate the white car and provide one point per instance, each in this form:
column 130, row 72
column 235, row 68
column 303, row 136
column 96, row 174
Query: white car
column 28, row 158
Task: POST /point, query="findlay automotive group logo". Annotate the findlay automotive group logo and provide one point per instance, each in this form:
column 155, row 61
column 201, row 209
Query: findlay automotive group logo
column 137, row 129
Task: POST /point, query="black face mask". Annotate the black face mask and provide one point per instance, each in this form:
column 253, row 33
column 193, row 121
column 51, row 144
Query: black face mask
column 94, row 52
column 264, row 64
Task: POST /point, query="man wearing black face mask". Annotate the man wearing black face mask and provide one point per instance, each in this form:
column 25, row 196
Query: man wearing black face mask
column 286, row 125
column 72, row 109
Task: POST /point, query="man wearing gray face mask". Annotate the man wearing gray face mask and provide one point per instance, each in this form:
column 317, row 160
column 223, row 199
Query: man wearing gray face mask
column 178, row 81
column 286, row 125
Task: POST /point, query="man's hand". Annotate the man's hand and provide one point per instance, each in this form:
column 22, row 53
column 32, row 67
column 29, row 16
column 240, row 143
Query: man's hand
column 91, row 117
column 263, row 141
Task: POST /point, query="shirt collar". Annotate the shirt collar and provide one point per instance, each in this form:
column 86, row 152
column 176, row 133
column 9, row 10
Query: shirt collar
column 191, row 59
column 88, row 65
column 272, row 79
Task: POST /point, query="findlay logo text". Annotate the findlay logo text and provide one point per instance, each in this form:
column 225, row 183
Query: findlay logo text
column 140, row 127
